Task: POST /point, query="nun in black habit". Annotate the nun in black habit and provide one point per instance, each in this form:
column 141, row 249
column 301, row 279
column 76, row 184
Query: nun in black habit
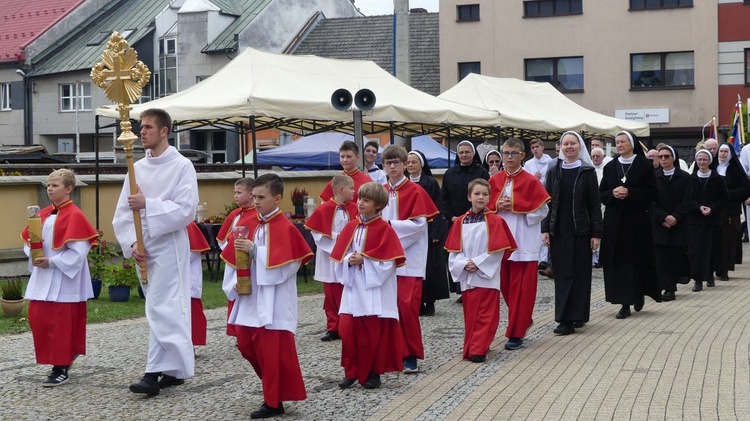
column 435, row 285
column 627, row 190
column 738, row 188
column 708, row 195
column 670, row 223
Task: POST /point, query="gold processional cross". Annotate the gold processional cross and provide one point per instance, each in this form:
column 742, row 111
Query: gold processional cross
column 122, row 77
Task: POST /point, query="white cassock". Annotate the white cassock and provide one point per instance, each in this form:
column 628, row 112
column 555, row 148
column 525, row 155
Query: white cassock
column 377, row 175
column 273, row 302
column 69, row 281
column 474, row 242
column 170, row 187
column 324, row 266
column 196, row 274
column 369, row 289
column 538, row 165
column 526, row 229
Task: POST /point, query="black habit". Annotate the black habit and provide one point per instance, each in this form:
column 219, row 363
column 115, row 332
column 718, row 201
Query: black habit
column 575, row 195
column 704, row 238
column 738, row 188
column 435, row 285
column 627, row 248
column 671, row 243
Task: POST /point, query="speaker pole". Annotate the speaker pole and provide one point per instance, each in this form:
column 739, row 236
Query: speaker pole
column 358, row 137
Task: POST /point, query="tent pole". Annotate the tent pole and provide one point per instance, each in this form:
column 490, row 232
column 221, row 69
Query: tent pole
column 255, row 147
column 239, row 128
column 96, row 170
column 358, row 135
column 390, row 129
column 448, row 146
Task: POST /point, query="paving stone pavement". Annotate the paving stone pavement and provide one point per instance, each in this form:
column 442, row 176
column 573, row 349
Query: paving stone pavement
column 687, row 359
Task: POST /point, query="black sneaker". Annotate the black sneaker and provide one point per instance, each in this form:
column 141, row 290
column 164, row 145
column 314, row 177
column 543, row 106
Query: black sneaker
column 168, row 381
column 478, row 358
column 330, row 336
column 56, row 378
column 149, row 385
column 513, row 344
column 347, row 383
column 266, row 411
column 373, row 382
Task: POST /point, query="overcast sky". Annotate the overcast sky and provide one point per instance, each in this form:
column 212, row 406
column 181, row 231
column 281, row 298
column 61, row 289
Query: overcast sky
column 385, row 7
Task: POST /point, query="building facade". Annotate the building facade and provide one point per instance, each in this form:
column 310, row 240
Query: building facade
column 653, row 60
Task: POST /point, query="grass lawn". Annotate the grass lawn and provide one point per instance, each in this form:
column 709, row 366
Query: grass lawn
column 103, row 310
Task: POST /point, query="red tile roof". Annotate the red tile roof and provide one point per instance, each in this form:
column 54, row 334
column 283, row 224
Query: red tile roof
column 22, row 21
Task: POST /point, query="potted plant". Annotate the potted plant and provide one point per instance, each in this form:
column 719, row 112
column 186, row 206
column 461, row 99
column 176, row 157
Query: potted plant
column 12, row 299
column 119, row 279
column 99, row 257
column 298, row 200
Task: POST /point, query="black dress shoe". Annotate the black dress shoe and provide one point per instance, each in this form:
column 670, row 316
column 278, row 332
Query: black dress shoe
column 564, row 329
column 711, row 283
column 638, row 305
column 478, row 358
column 346, row 383
column 429, row 309
column 330, row 336
column 373, row 382
column 724, row 277
column 149, row 385
column 167, row 381
column 266, row 411
column 668, row 296
column 624, row 312
column 579, row 325
column 460, row 299
column 698, row 286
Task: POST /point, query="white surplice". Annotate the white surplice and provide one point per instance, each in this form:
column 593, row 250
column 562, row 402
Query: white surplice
column 474, row 242
column 526, row 229
column 170, row 187
column 69, row 281
column 324, row 266
column 413, row 236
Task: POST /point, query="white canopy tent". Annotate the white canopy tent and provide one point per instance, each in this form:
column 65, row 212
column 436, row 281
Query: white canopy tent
column 293, row 93
column 536, row 106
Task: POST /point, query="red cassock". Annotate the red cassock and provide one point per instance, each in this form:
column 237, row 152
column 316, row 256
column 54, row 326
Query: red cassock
column 321, row 221
column 359, row 178
column 370, row 344
column 273, row 353
column 225, row 235
column 518, row 279
column 199, row 324
column 59, row 329
column 481, row 306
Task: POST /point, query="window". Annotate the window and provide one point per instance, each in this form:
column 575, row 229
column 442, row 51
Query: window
column 564, row 73
column 145, row 94
column 4, row 96
column 659, row 4
column 662, row 70
column 167, row 81
column 99, row 38
column 467, row 12
column 470, row 67
column 212, row 142
column 542, row 8
column 747, row 66
column 75, row 96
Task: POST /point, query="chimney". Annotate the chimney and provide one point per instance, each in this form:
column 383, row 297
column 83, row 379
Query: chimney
column 401, row 66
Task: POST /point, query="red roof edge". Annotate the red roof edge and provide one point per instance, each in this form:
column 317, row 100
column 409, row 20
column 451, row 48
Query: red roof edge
column 73, row 7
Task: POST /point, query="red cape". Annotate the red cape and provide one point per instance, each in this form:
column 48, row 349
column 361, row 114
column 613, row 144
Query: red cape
column 381, row 242
column 359, row 178
column 413, row 201
column 71, row 225
column 321, row 221
column 247, row 214
column 285, row 243
column 198, row 241
column 528, row 193
column 499, row 236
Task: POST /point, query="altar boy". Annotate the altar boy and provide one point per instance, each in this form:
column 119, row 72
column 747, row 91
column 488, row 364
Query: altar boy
column 60, row 282
column 478, row 244
column 266, row 319
column 325, row 224
column 367, row 254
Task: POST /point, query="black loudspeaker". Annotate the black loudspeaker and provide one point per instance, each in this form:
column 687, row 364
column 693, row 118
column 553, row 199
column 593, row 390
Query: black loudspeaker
column 364, row 99
column 341, row 99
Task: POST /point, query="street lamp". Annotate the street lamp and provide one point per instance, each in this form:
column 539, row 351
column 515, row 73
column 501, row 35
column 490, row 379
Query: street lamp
column 27, row 121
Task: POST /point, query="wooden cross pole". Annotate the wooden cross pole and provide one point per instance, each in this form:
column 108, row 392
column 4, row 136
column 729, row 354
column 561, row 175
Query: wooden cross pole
column 122, row 77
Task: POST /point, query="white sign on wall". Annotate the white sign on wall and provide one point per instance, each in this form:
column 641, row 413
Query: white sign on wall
column 646, row 115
